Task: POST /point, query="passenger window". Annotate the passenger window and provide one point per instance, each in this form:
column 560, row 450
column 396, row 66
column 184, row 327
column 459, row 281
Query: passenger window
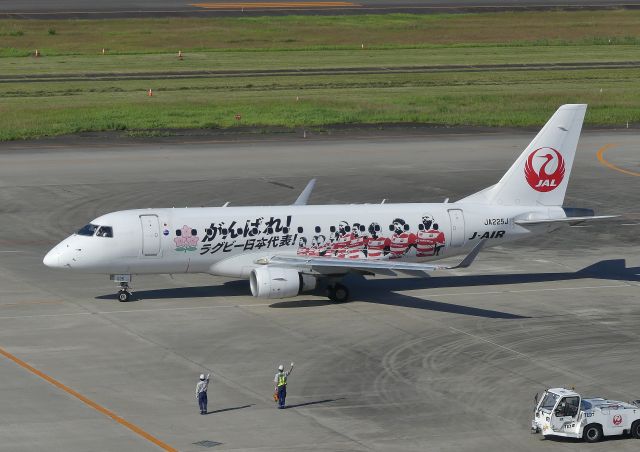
column 105, row 231
column 88, row 230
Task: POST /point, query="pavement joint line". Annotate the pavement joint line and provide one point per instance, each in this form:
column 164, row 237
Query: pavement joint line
column 134, row 428
column 490, row 342
column 605, row 162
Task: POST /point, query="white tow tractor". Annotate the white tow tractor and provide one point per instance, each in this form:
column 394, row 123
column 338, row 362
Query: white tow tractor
column 563, row 412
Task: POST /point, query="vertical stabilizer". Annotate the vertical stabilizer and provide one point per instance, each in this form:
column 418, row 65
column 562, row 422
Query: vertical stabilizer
column 541, row 173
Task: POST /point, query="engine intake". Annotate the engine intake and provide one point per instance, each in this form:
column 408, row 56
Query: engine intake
column 275, row 282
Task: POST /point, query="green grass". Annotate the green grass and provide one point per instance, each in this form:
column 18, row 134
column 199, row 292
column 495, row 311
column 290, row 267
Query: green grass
column 89, row 37
column 498, row 98
column 494, row 99
column 339, row 58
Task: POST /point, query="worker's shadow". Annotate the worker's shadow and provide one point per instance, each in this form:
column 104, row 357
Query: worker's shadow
column 223, row 410
column 315, row 402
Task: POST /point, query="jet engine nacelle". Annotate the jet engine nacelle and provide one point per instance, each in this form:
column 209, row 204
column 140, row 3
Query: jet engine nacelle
column 274, row 282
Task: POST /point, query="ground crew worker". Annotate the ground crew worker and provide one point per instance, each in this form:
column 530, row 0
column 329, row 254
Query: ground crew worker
column 281, row 384
column 201, row 393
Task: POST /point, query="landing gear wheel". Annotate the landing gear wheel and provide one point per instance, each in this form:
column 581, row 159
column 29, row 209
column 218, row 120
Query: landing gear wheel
column 338, row 293
column 592, row 433
column 124, row 296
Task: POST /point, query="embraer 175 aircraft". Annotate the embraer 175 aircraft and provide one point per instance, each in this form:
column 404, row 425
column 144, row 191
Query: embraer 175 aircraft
column 286, row 250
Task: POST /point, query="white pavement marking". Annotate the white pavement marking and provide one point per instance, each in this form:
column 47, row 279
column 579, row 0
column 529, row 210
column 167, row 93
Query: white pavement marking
column 480, row 338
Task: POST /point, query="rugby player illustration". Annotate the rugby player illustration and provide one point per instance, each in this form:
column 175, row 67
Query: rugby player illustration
column 318, row 246
column 342, row 238
column 402, row 240
column 429, row 240
column 377, row 246
column 357, row 245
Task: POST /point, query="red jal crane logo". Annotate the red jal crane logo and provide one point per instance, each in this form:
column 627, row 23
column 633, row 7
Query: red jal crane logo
column 617, row 419
column 541, row 180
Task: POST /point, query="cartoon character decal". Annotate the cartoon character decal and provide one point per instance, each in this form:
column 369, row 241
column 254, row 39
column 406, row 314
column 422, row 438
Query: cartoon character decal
column 377, row 246
column 186, row 239
column 341, row 239
column 429, row 240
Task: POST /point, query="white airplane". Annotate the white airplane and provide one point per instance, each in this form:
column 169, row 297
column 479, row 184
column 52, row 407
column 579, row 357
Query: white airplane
column 286, row 250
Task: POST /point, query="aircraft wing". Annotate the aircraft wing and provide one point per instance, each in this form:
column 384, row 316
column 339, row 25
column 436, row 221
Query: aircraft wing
column 332, row 265
column 568, row 220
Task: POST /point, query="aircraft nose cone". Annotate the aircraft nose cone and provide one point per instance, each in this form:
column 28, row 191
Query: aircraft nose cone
column 52, row 259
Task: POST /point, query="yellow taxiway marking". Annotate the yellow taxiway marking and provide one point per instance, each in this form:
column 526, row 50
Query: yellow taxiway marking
column 134, row 428
column 608, row 164
column 257, row 5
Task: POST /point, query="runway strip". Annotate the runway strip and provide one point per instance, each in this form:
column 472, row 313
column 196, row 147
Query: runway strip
column 317, row 71
column 608, row 164
column 134, row 428
column 285, row 5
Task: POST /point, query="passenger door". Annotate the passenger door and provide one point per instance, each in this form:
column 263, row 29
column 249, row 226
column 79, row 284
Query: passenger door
column 150, row 235
column 457, row 228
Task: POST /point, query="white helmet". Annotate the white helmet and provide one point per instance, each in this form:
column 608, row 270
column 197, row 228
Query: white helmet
column 280, row 367
column 201, row 376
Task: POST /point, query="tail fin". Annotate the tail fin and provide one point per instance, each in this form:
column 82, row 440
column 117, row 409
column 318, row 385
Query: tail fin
column 541, row 173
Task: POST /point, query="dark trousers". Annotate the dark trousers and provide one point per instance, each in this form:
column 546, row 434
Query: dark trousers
column 202, row 401
column 282, row 394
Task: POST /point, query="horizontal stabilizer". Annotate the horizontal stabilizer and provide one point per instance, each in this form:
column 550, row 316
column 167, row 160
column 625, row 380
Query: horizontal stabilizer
column 569, row 220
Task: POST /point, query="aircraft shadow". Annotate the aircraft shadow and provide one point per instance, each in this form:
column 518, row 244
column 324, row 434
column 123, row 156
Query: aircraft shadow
column 406, row 301
column 383, row 291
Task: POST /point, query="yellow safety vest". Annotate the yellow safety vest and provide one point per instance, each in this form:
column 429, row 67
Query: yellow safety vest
column 282, row 379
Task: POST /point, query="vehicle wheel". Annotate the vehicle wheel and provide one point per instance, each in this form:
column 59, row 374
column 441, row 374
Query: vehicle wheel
column 124, row 296
column 592, row 433
column 340, row 293
column 635, row 429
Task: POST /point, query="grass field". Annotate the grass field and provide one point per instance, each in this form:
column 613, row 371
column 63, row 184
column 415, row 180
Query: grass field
column 496, row 98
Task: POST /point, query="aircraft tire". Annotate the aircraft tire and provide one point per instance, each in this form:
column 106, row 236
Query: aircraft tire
column 592, row 433
column 124, row 296
column 340, row 293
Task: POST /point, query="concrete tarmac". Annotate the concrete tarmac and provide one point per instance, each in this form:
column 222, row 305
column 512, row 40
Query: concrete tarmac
column 446, row 363
column 41, row 9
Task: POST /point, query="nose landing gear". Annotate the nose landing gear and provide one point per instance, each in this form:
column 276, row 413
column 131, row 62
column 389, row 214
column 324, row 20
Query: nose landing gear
column 124, row 294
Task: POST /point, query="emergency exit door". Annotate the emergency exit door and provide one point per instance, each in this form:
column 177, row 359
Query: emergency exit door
column 457, row 227
column 150, row 235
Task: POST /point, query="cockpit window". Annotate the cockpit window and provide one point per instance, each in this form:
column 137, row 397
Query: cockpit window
column 105, row 231
column 88, row 230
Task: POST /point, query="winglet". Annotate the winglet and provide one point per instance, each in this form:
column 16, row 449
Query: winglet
column 467, row 261
column 304, row 196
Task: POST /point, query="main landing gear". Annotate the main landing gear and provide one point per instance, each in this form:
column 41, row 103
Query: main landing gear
column 338, row 293
column 124, row 294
